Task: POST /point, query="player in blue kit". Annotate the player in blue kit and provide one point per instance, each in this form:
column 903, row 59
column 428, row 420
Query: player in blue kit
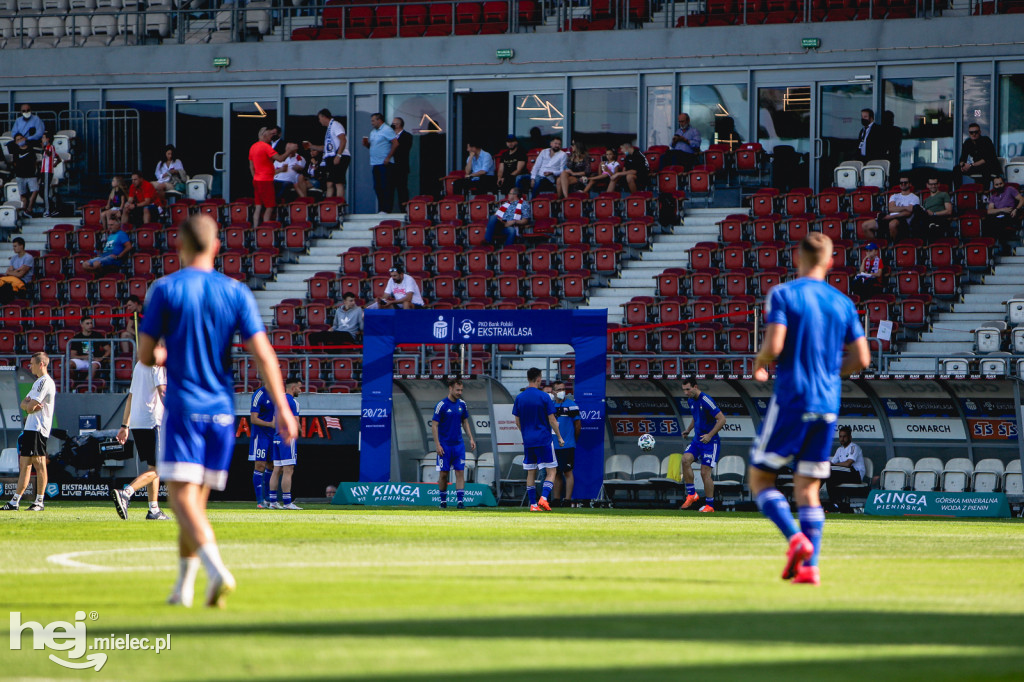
column 814, row 333
column 535, row 418
column 261, row 417
column 708, row 420
column 285, row 455
column 197, row 312
column 451, row 417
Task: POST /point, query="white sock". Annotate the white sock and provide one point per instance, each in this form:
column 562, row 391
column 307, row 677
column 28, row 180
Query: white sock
column 15, row 499
column 154, row 507
column 130, row 490
column 39, row 499
column 185, row 586
column 209, row 554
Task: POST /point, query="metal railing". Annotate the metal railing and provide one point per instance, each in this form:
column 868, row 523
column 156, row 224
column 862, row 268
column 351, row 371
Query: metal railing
column 108, row 363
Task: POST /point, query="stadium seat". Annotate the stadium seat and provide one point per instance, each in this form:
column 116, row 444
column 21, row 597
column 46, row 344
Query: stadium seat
column 1012, row 482
column 956, row 475
column 927, row 474
column 671, row 282
column 987, row 477
column 897, row 473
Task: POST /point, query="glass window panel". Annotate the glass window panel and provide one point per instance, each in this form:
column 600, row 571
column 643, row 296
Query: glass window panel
column 605, row 117
column 784, row 117
column 538, row 118
column 152, row 129
column 923, row 109
column 1011, row 115
column 426, row 120
column 300, row 121
column 660, row 122
column 720, row 112
column 977, row 103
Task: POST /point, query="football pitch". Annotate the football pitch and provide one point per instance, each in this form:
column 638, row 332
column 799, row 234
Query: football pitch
column 335, row 593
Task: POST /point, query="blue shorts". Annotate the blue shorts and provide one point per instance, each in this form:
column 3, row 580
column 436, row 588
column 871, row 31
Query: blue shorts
column 704, row 453
column 259, row 446
column 196, row 448
column 454, row 457
column 539, row 457
column 788, row 435
column 283, row 454
column 105, row 261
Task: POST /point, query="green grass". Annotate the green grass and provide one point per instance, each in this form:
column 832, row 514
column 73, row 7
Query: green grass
column 418, row 595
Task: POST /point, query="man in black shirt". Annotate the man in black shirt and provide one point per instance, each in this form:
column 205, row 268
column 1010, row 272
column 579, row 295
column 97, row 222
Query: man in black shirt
column 978, row 158
column 400, row 169
column 635, row 171
column 512, row 170
column 25, row 172
column 84, row 352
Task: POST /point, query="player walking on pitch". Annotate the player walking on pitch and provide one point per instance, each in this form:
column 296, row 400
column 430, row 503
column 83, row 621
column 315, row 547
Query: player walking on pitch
column 284, row 456
column 451, row 417
column 534, row 411
column 197, row 312
column 704, row 446
column 814, row 333
column 32, row 442
column 143, row 414
column 261, row 442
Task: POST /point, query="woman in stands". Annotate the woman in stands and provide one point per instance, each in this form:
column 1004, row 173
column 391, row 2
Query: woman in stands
column 169, row 173
column 574, row 177
column 115, row 200
column 609, row 166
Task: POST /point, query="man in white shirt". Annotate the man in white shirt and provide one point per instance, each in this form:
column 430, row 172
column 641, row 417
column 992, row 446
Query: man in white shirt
column 335, row 151
column 894, row 223
column 289, row 174
column 549, row 165
column 401, row 292
column 143, row 414
column 38, row 404
column 847, row 467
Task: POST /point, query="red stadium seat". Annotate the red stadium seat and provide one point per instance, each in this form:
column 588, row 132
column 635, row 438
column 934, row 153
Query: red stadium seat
column 670, row 282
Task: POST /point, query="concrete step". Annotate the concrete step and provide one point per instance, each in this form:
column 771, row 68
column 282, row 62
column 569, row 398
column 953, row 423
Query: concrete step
column 994, row 307
column 938, row 349
column 942, row 336
column 947, row 319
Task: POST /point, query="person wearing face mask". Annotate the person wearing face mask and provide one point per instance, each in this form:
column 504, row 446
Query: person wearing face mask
column 871, row 140
column 29, row 125
column 567, row 412
column 24, row 172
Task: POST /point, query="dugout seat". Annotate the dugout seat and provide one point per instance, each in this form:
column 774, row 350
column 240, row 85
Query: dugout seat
column 927, row 474
column 987, row 476
column 956, row 476
column 897, row 473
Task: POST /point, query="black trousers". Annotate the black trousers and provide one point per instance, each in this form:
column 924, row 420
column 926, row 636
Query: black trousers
column 838, row 478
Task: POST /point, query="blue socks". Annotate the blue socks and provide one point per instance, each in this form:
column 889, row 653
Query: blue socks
column 812, row 523
column 691, row 489
column 286, row 498
column 272, row 496
column 267, row 473
column 444, row 496
column 773, row 504
column 546, row 489
column 257, row 485
column 532, row 492
column 710, row 501
column 460, row 494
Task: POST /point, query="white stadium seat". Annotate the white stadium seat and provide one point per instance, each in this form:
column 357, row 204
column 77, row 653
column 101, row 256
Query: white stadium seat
column 988, row 337
column 927, row 472
column 956, row 476
column 646, row 467
column 1012, row 483
column 485, row 469
column 987, row 476
column 618, row 468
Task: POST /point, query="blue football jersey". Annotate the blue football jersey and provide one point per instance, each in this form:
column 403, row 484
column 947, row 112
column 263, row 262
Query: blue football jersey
column 704, row 410
column 820, row 321
column 197, row 313
column 568, row 413
column 263, row 406
column 533, row 406
column 449, row 416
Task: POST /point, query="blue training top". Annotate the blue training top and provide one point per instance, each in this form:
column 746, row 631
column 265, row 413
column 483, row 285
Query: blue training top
column 263, row 406
column 449, row 415
column 533, row 406
column 568, row 413
column 704, row 410
column 820, row 321
column 197, row 313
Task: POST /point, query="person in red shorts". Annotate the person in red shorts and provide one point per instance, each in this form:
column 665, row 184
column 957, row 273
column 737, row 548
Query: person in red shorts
column 261, row 164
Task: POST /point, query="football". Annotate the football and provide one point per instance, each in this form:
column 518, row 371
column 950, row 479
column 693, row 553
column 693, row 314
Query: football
column 646, row 442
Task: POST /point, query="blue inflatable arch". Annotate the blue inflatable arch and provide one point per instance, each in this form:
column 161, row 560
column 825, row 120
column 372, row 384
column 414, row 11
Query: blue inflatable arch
column 585, row 330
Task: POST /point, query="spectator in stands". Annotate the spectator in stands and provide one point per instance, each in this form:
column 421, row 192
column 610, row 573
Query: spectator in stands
column 84, row 352
column 400, row 172
column 289, row 176
column 549, row 165
column 261, row 165
column 978, row 158
column 1004, row 211
column 577, row 168
column 512, row 170
column 143, row 204
column 19, row 274
column 868, row 282
column 314, row 176
column 133, row 307
column 931, row 218
column 871, row 140
column 847, row 467
column 48, row 162
column 537, row 139
column 275, row 136
column 401, row 291
column 170, row 174
column 116, row 200
column 609, row 167
column 28, row 125
column 895, row 224
column 347, row 327
column 513, row 214
column 25, row 172
column 635, row 171
column 480, row 177
column 382, row 143
column 335, row 154
column 893, row 143
column 685, row 145
column 115, row 250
